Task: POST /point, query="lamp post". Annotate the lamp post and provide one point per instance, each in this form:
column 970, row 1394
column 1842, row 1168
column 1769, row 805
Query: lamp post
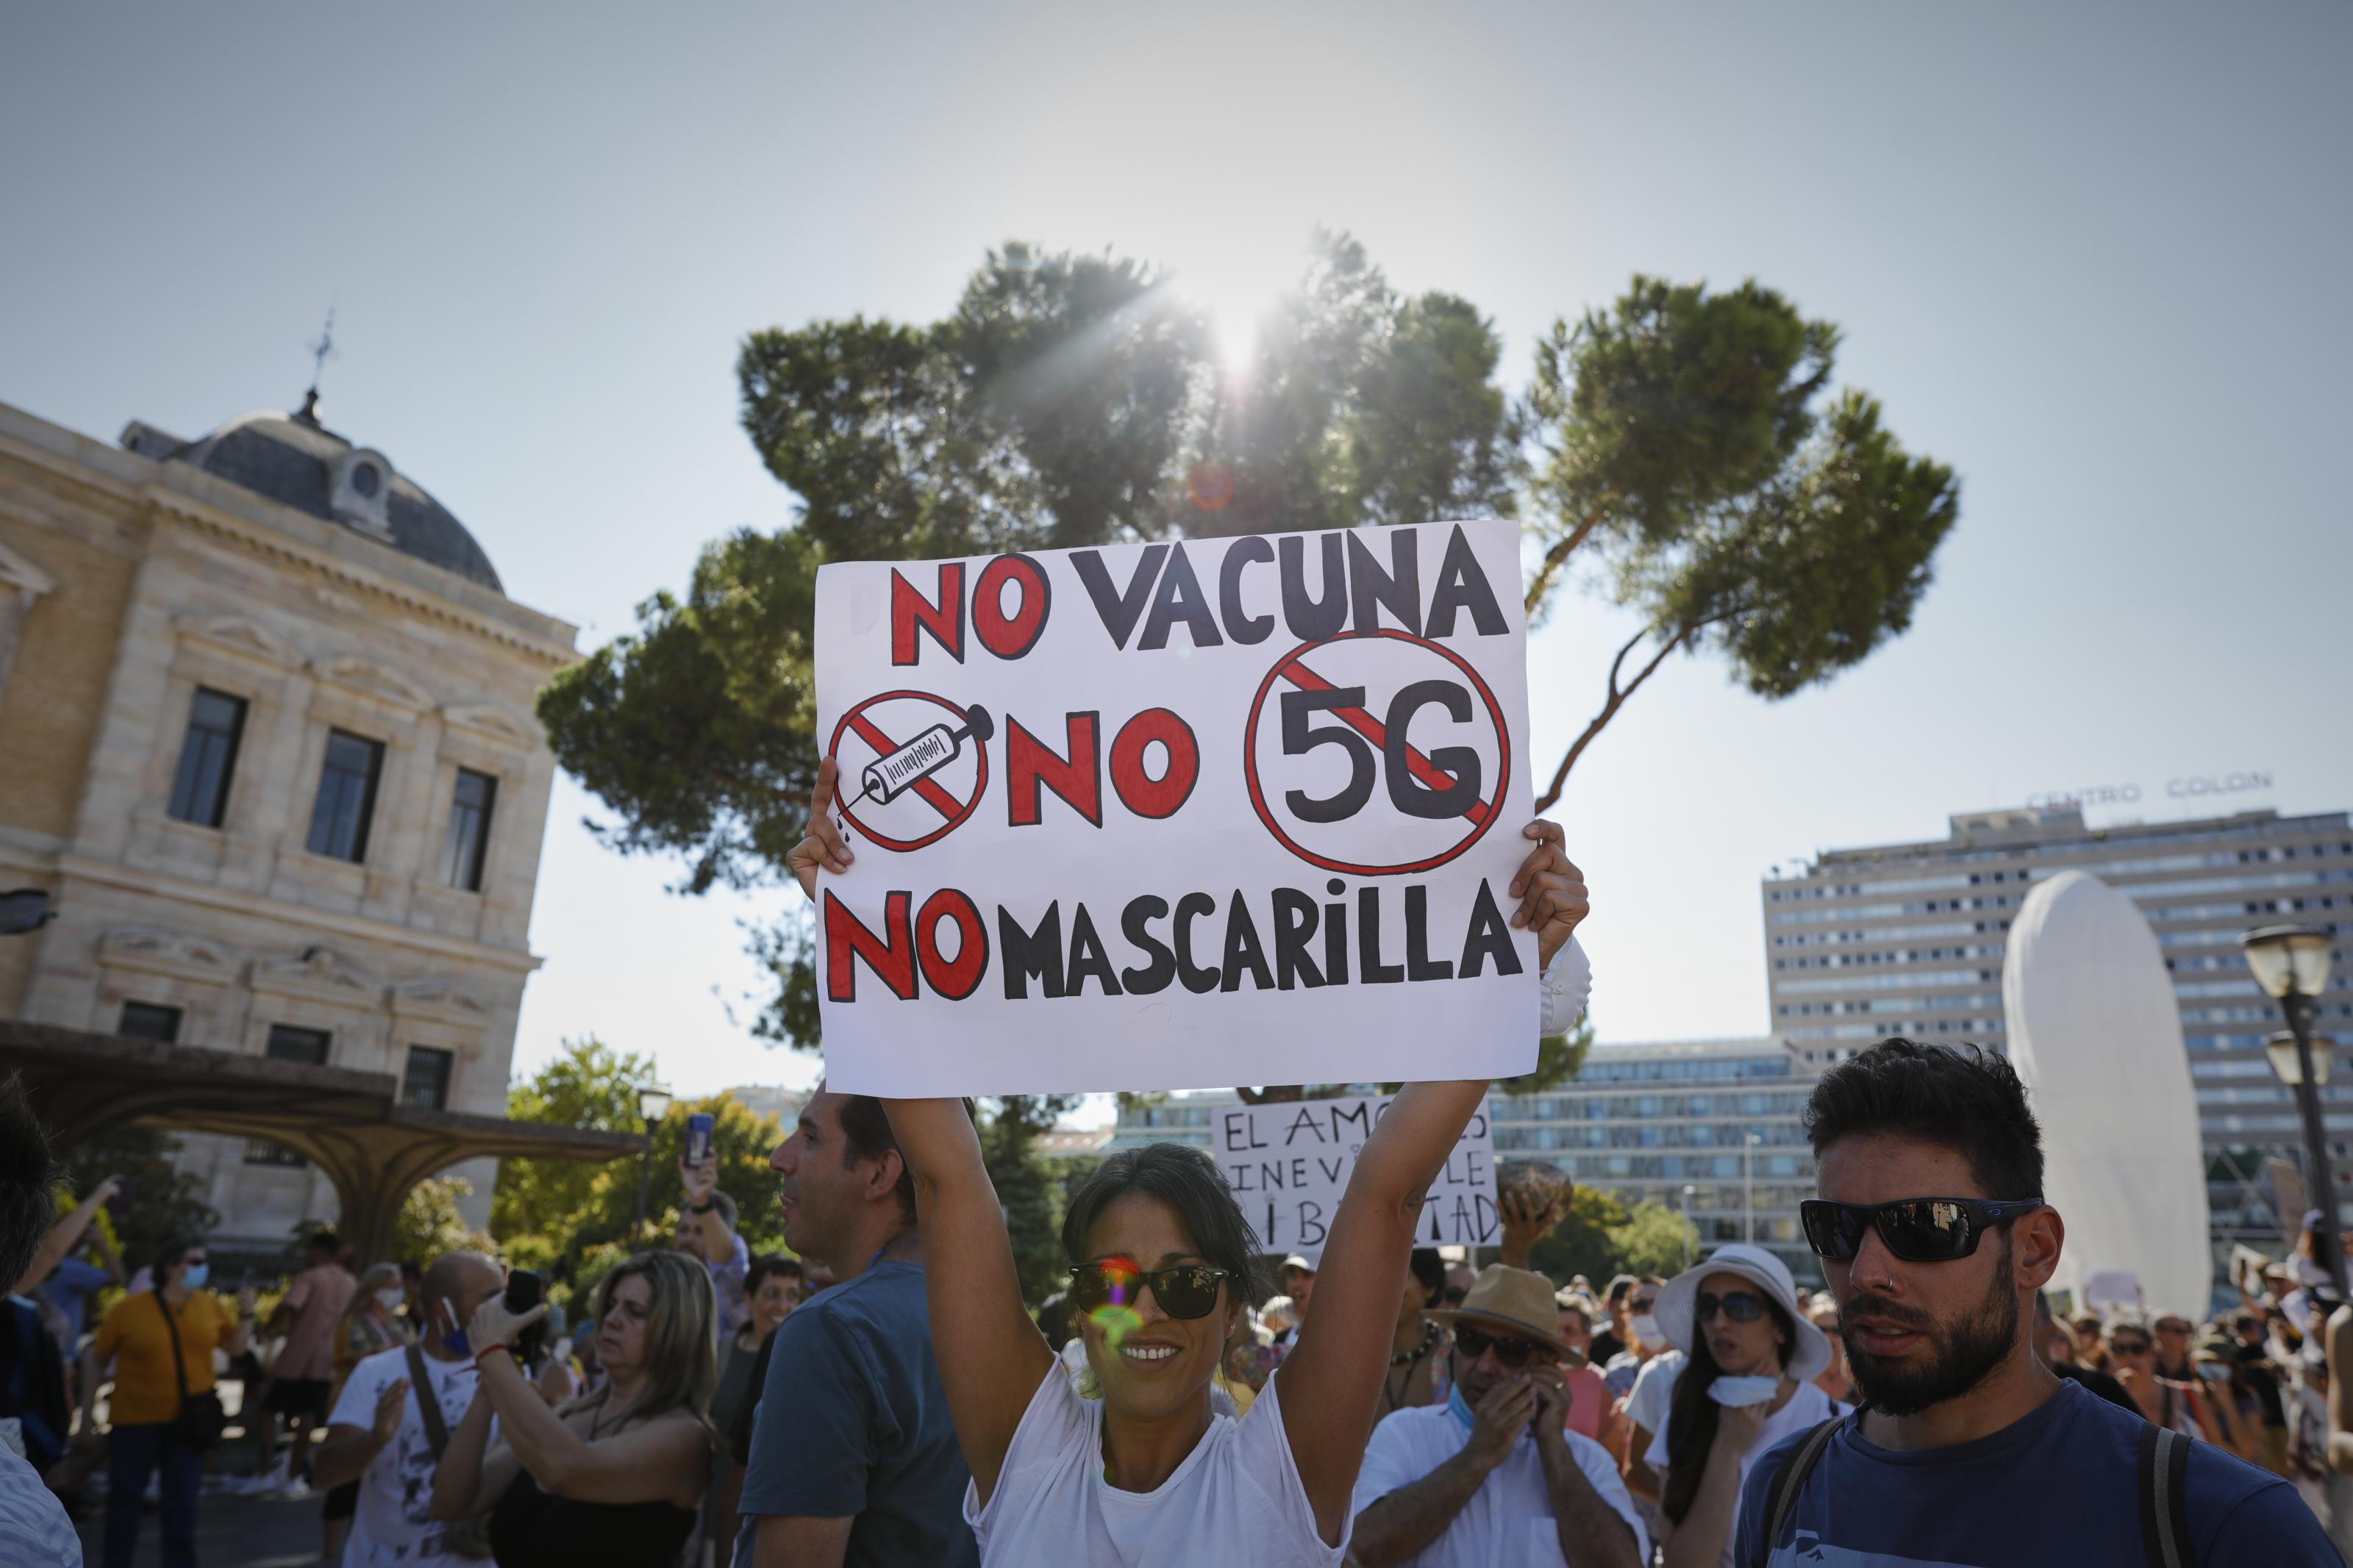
column 2291, row 963
column 1748, row 1187
column 653, row 1104
column 1690, row 1193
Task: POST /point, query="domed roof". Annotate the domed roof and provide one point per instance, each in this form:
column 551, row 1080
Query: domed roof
column 295, row 460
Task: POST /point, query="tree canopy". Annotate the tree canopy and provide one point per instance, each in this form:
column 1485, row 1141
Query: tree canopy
column 1690, row 445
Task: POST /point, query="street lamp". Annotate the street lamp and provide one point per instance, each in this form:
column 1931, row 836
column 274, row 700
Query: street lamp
column 1690, row 1193
column 2291, row 963
column 653, row 1104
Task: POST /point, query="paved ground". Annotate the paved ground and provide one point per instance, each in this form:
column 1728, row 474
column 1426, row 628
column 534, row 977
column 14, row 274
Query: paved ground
column 231, row 1533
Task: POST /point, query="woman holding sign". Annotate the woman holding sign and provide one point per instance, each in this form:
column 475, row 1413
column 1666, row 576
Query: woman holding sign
column 1164, row 1265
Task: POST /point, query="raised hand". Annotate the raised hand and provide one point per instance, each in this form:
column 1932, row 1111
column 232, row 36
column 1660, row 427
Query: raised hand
column 825, row 845
column 1550, row 888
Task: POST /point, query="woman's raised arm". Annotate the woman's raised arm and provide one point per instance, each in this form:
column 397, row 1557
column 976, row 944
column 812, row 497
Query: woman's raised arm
column 1331, row 1383
column 991, row 1356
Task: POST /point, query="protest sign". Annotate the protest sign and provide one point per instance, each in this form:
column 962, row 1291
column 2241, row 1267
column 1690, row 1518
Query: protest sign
column 1289, row 1163
column 1177, row 814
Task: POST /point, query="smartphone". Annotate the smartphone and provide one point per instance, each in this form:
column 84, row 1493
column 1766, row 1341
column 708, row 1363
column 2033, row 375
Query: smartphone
column 126, row 1189
column 698, row 1138
column 525, row 1290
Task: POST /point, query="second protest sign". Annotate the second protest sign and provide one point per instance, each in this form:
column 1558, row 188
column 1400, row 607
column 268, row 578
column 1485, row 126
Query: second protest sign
column 1288, row 1162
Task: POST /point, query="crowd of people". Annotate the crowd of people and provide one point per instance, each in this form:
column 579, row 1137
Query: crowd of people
column 885, row 1395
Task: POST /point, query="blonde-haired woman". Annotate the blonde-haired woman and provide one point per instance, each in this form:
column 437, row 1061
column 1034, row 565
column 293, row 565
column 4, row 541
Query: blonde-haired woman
column 371, row 1323
column 617, row 1477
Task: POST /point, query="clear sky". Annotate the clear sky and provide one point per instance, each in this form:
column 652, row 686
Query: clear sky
column 2093, row 257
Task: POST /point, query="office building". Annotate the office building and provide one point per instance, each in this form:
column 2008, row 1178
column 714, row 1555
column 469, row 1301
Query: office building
column 1666, row 1123
column 1908, row 939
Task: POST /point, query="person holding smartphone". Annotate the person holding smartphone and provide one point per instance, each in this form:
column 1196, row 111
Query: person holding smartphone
column 706, row 1229
column 617, row 1477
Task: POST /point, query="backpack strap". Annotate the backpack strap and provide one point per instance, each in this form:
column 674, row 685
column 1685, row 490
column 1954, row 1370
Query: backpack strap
column 428, row 1404
column 179, row 1356
column 2164, row 1486
column 1781, row 1497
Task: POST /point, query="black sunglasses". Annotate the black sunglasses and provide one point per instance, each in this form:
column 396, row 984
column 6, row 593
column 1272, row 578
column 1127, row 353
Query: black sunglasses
column 1512, row 1351
column 1917, row 1230
column 1740, row 1306
column 1455, row 1294
column 2131, row 1347
column 1185, row 1291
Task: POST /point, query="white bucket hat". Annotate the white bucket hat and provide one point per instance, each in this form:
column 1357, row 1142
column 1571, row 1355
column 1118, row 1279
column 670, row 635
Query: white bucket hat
column 1809, row 1352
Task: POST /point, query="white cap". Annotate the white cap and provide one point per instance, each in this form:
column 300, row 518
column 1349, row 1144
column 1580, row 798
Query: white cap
column 1809, row 1353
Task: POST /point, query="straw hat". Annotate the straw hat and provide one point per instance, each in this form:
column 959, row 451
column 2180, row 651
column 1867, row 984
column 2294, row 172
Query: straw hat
column 1810, row 1350
column 1518, row 1302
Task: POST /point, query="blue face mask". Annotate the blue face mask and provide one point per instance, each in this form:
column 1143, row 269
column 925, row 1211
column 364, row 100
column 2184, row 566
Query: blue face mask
column 452, row 1336
column 193, row 1279
column 1460, row 1406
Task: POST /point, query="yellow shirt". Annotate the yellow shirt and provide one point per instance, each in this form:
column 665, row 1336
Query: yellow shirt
column 133, row 1334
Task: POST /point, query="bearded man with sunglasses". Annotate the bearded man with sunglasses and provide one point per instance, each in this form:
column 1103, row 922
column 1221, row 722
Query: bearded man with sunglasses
column 1968, row 1452
column 1493, row 1476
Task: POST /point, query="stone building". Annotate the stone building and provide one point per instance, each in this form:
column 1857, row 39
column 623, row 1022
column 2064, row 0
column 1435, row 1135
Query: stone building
column 266, row 742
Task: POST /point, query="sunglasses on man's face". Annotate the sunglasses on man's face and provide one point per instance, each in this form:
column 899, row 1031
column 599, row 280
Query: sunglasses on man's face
column 1917, row 1230
column 1186, row 1291
column 1510, row 1351
column 2131, row 1347
column 1740, row 1306
column 1643, row 1304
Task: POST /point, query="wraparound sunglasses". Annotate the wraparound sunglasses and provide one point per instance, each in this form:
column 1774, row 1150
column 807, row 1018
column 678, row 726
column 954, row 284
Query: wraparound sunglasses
column 1917, row 1230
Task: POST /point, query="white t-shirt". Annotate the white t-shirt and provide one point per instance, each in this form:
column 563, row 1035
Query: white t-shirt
column 1654, row 1388
column 1808, row 1408
column 1236, row 1499
column 393, row 1527
column 1508, row 1522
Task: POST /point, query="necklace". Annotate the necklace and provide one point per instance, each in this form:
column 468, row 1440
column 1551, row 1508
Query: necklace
column 1430, row 1332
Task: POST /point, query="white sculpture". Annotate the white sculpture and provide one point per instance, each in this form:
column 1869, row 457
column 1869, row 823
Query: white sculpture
column 2095, row 1033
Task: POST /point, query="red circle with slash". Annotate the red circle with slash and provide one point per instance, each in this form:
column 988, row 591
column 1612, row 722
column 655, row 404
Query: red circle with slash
column 1292, row 670
column 860, row 723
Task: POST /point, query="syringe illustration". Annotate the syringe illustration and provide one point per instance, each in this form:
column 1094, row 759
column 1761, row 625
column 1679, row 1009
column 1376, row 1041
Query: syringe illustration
column 920, row 758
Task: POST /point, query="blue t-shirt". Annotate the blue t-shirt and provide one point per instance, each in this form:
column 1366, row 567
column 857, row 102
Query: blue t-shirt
column 854, row 1421
column 2057, row 1488
column 70, row 1287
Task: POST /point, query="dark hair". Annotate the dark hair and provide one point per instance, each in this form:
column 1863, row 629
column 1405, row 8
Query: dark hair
column 766, row 1263
column 27, row 1207
column 325, row 1241
column 866, row 1135
column 1187, row 1181
column 1620, row 1286
column 1970, row 1101
column 170, row 1250
column 1053, row 1318
column 1691, row 1416
column 1430, row 1269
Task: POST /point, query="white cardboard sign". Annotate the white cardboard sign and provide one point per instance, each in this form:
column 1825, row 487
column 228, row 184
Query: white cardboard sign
column 1289, row 1163
column 1178, row 814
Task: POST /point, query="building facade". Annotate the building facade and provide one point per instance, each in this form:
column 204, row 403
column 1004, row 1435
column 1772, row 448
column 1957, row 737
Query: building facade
column 1667, row 1122
column 267, row 744
column 1908, row 939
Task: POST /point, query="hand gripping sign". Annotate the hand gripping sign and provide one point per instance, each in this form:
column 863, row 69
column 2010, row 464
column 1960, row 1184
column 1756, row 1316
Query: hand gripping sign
column 1178, row 814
